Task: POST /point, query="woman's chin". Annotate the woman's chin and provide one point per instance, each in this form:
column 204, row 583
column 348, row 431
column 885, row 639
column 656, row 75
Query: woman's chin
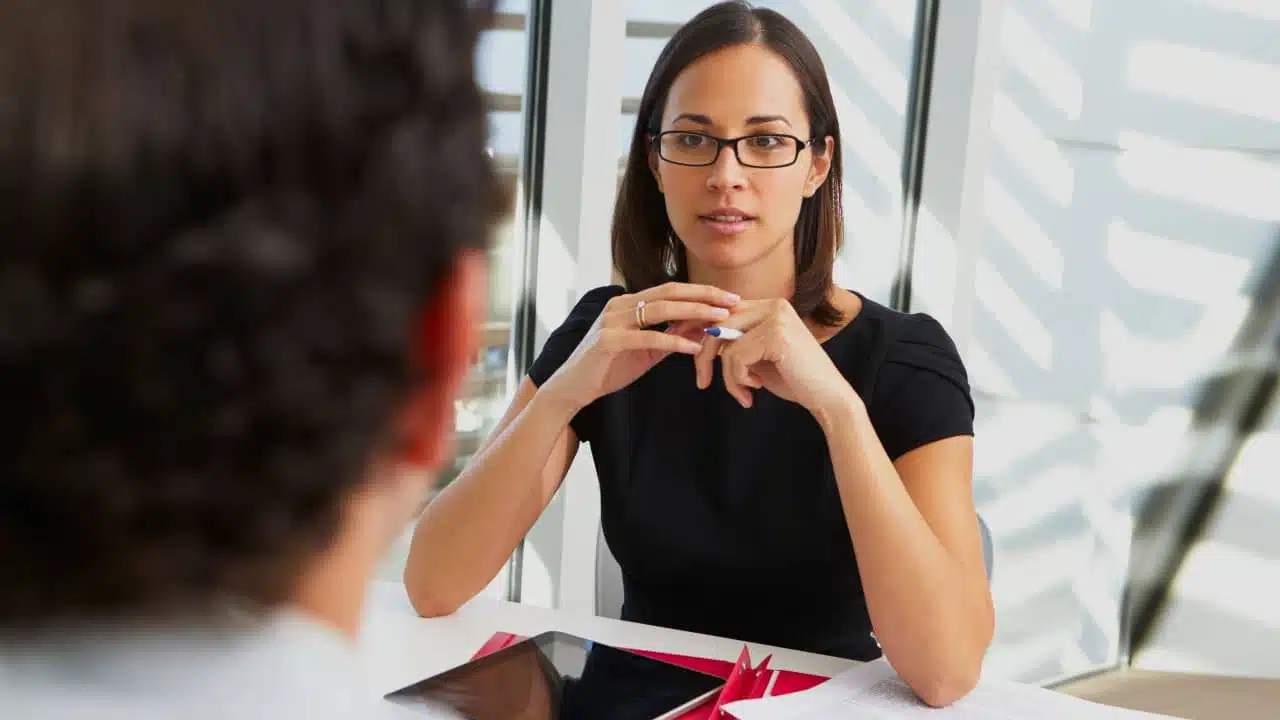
column 726, row 254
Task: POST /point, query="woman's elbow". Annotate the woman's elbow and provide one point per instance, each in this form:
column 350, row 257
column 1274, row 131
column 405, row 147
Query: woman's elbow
column 426, row 598
column 946, row 677
column 944, row 688
column 430, row 607
column 955, row 671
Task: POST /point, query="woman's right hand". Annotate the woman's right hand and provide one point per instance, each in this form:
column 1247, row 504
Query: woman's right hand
column 616, row 351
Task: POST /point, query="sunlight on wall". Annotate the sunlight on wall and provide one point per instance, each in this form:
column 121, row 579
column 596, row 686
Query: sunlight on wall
column 1076, row 13
column 1037, row 498
column 1229, row 182
column 1253, row 477
column 1214, row 573
column 1194, row 273
column 1206, row 78
column 1023, row 326
column 985, row 372
column 867, row 143
column 1025, row 575
column 1256, row 9
column 1134, row 360
column 901, row 15
column 1020, row 232
column 1059, row 84
column 1023, row 431
column 876, row 68
column 1040, row 159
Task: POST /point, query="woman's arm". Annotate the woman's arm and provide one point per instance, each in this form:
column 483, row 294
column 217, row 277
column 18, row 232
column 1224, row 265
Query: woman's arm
column 919, row 551
column 473, row 526
column 470, row 529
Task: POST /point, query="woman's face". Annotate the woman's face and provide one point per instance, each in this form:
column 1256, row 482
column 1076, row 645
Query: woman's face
column 730, row 216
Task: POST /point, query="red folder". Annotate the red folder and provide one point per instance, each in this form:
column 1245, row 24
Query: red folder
column 742, row 681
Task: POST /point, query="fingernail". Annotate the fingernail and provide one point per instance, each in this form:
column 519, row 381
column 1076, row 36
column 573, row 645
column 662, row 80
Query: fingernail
column 734, row 297
column 721, row 312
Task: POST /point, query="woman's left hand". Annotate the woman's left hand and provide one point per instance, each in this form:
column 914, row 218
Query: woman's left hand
column 777, row 352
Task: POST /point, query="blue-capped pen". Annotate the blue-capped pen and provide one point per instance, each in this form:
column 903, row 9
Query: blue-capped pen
column 724, row 333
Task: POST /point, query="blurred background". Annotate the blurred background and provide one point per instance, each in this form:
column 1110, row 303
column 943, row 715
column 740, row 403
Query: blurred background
column 1085, row 193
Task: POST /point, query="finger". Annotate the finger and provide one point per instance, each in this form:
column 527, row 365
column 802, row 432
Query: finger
column 731, row 370
column 742, row 356
column 752, row 348
column 692, row 292
column 704, row 361
column 616, row 340
column 689, row 329
column 664, row 311
column 747, row 317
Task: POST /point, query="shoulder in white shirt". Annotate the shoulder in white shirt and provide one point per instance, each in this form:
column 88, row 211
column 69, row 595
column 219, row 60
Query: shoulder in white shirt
column 287, row 667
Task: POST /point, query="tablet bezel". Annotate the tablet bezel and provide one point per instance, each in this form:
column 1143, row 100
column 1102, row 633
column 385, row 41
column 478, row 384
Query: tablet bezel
column 552, row 636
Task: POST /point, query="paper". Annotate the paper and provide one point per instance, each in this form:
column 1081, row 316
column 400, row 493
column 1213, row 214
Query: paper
column 873, row 691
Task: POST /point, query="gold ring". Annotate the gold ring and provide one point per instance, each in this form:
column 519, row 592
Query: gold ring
column 640, row 315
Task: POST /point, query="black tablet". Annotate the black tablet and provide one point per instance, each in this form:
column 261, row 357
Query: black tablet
column 556, row 676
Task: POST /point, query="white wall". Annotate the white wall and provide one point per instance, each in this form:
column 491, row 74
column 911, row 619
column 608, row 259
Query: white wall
column 1130, row 200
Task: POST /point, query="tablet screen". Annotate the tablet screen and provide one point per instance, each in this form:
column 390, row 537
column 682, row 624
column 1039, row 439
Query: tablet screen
column 555, row 676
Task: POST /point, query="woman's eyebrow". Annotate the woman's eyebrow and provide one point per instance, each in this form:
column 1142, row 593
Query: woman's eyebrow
column 753, row 120
column 762, row 119
column 692, row 117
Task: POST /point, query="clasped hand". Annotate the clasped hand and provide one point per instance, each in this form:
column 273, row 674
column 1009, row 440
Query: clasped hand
column 777, row 351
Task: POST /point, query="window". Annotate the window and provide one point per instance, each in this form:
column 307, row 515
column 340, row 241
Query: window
column 501, row 68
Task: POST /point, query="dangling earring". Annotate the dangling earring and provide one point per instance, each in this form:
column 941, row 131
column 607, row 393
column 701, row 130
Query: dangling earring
column 670, row 261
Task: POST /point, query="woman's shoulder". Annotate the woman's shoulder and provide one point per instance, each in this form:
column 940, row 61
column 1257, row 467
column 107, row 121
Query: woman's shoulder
column 918, row 390
column 903, row 336
column 592, row 303
column 565, row 338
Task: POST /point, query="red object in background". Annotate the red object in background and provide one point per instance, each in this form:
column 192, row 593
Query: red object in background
column 742, row 682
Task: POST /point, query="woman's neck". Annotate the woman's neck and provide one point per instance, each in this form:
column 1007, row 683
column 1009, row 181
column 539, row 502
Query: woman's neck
column 768, row 277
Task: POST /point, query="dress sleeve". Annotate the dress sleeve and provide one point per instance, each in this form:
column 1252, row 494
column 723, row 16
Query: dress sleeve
column 922, row 391
column 565, row 339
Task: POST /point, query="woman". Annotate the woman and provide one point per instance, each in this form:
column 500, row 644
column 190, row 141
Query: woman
column 737, row 478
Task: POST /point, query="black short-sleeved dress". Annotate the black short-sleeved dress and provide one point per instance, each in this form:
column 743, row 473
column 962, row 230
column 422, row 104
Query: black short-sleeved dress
column 727, row 520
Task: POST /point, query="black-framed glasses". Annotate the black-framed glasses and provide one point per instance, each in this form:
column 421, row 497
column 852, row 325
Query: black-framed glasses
column 696, row 149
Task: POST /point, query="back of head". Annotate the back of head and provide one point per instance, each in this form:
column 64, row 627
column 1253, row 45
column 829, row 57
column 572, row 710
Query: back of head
column 222, row 221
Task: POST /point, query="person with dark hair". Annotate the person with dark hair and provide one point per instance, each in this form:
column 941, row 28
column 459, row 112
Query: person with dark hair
column 780, row 460
column 236, row 305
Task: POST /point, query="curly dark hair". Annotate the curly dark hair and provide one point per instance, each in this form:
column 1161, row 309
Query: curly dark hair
column 220, row 223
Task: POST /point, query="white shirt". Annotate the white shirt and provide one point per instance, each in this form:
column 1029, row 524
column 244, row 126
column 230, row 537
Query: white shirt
column 289, row 667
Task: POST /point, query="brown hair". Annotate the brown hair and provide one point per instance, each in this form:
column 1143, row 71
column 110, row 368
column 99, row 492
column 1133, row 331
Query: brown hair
column 221, row 227
column 645, row 249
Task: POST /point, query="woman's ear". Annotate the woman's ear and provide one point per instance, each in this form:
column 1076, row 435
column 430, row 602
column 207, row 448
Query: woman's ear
column 820, row 168
column 654, row 164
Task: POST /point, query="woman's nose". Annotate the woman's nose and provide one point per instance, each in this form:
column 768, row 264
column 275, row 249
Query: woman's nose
column 727, row 173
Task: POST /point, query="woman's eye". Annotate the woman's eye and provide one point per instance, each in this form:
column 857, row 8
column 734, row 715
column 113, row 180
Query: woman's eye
column 692, row 141
column 765, row 142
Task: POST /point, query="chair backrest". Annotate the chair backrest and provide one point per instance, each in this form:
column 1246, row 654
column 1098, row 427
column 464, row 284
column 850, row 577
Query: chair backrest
column 609, row 573
column 608, row 581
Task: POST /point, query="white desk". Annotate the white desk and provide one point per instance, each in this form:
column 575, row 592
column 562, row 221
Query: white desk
column 397, row 647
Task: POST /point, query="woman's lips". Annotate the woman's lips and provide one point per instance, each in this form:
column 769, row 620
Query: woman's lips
column 727, row 223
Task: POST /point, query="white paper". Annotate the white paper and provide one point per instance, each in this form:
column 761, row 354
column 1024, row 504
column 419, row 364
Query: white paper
column 873, row 691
